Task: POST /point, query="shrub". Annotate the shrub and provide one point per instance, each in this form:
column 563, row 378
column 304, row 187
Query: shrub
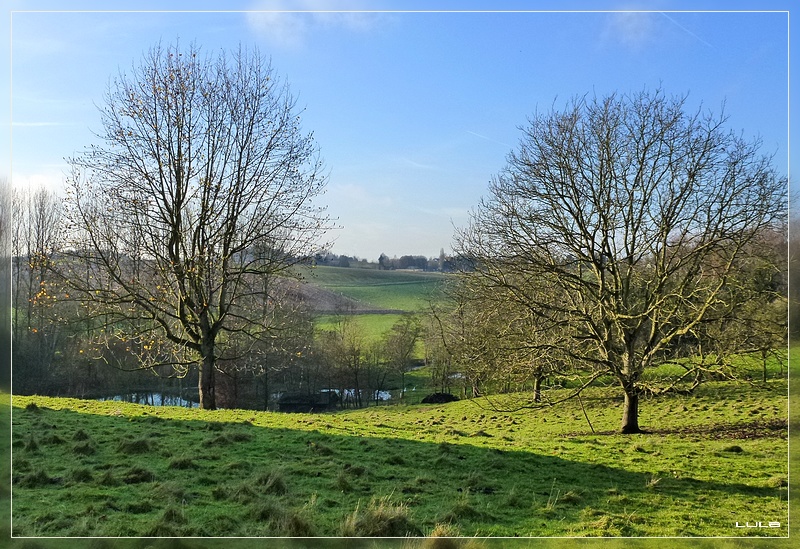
column 84, row 449
column 182, row 463
column 395, row 459
column 174, row 515
column 240, row 437
column 281, row 521
column 138, row 507
column 320, row 449
column 445, row 536
column 295, row 524
column 31, row 445
column 342, row 483
column 53, row 439
column 36, row 479
column 136, row 475
column 461, row 509
column 108, row 479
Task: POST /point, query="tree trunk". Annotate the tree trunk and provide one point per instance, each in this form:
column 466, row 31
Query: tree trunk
column 537, row 389
column 207, row 384
column 630, row 413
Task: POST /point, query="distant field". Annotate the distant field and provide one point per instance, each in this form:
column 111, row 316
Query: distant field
column 395, row 290
column 373, row 327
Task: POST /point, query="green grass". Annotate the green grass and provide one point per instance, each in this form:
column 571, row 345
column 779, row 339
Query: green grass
column 372, row 327
column 396, row 290
column 85, row 468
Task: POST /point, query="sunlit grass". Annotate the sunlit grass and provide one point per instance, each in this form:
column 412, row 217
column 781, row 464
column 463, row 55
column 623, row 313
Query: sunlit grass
column 85, row 468
column 397, row 290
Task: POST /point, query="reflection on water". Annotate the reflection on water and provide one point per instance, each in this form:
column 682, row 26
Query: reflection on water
column 152, row 398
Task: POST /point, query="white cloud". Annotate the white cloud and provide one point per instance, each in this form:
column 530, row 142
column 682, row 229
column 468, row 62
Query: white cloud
column 289, row 23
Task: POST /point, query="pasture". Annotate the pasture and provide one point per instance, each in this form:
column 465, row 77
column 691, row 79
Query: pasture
column 381, row 297
column 483, row 470
column 390, row 290
column 470, row 468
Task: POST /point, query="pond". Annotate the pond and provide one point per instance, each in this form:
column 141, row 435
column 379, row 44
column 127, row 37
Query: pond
column 152, row 398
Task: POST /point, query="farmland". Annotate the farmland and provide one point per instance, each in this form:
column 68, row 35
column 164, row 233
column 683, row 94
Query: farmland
column 376, row 298
column 376, row 289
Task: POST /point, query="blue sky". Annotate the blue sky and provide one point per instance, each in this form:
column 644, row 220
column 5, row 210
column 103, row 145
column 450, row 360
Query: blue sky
column 413, row 112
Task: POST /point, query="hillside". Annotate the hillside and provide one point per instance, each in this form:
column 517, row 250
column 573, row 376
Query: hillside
column 84, row 468
column 369, row 291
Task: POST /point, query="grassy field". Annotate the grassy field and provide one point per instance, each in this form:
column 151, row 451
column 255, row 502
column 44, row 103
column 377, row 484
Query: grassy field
column 84, row 468
column 394, row 290
column 373, row 327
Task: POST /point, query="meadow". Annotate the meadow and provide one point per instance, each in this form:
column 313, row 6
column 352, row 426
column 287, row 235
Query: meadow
column 390, row 290
column 382, row 296
column 85, row 468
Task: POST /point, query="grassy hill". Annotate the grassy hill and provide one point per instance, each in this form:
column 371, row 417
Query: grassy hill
column 375, row 289
column 84, row 468
column 377, row 298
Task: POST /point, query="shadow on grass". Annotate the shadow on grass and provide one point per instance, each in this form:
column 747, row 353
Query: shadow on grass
column 186, row 469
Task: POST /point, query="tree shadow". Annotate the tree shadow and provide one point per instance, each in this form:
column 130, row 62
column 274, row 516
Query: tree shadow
column 480, row 491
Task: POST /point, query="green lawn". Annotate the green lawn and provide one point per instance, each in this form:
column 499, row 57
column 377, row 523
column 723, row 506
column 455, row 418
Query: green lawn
column 84, row 468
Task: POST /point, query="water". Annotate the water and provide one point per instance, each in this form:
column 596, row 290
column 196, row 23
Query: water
column 351, row 394
column 152, row 398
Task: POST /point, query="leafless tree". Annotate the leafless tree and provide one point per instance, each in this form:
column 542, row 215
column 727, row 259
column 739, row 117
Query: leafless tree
column 37, row 323
column 6, row 217
column 203, row 186
column 493, row 342
column 627, row 220
column 399, row 343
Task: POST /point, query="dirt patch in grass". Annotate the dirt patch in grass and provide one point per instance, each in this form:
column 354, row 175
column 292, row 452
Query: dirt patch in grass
column 714, row 431
column 738, row 431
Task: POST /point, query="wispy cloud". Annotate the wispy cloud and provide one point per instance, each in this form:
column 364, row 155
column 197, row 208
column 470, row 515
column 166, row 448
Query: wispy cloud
column 289, row 24
column 418, row 165
column 687, row 31
column 639, row 29
column 488, row 138
column 633, row 29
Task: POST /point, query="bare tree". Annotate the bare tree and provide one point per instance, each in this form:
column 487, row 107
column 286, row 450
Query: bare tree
column 399, row 343
column 494, row 342
column 626, row 220
column 37, row 323
column 202, row 186
column 6, row 217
